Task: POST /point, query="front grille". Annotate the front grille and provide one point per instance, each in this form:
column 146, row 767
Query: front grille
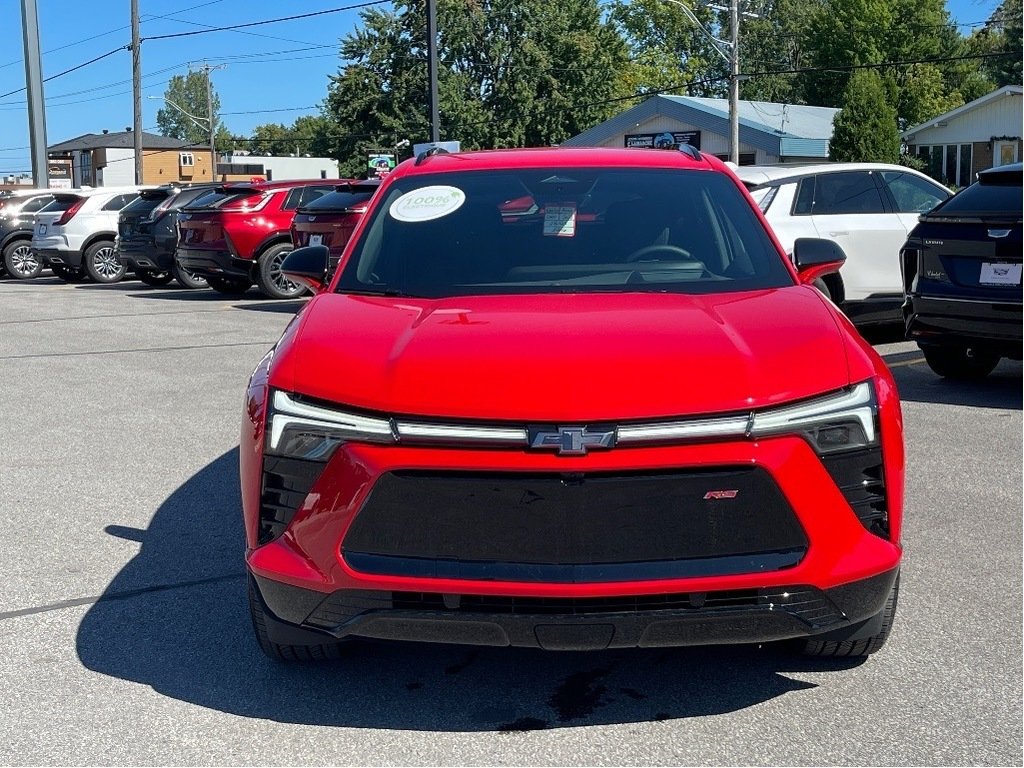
column 860, row 476
column 285, row 485
column 805, row 603
column 566, row 526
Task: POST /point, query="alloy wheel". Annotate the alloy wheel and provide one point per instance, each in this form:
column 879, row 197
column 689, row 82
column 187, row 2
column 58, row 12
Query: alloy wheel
column 106, row 263
column 278, row 278
column 24, row 262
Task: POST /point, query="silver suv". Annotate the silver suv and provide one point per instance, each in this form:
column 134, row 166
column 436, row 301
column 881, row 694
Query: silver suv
column 74, row 235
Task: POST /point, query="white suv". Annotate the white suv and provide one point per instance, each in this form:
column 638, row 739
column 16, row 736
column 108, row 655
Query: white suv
column 74, row 235
column 867, row 208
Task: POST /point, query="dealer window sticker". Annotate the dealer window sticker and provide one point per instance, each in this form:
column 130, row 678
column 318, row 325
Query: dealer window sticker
column 560, row 221
column 427, row 204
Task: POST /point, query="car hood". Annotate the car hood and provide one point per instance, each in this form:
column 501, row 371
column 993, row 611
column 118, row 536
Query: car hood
column 560, row 358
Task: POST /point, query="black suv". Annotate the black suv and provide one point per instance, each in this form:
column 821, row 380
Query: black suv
column 962, row 277
column 16, row 233
column 146, row 235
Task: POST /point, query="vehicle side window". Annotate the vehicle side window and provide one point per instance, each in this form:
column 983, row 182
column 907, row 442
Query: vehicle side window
column 838, row 193
column 804, row 197
column 293, row 200
column 117, row 202
column 911, row 193
column 35, row 204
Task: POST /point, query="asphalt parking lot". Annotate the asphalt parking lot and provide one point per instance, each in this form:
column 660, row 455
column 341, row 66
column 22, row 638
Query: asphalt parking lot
column 126, row 638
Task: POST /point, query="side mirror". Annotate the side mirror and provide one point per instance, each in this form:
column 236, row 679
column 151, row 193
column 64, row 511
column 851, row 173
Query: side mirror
column 307, row 266
column 815, row 258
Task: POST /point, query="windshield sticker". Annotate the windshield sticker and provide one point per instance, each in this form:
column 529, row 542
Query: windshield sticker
column 560, row 221
column 427, row 204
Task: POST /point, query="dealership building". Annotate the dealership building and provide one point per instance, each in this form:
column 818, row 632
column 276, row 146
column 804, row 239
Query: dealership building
column 769, row 132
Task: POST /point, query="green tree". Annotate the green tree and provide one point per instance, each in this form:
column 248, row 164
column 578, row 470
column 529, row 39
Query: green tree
column 188, row 93
column 845, row 34
column 774, row 41
column 1002, row 32
column 668, row 53
column 511, row 73
column 865, row 129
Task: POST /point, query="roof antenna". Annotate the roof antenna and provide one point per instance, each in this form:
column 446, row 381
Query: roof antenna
column 422, row 156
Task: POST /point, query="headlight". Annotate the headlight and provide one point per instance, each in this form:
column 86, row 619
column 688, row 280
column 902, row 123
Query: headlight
column 838, row 422
column 312, row 432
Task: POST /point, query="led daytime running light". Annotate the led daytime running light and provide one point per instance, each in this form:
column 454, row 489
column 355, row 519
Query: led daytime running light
column 288, row 412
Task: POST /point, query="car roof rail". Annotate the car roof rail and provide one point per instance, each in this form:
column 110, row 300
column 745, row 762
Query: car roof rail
column 691, row 150
column 422, row 157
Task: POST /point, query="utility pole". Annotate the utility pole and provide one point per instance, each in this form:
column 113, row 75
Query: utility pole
column 137, row 91
column 209, row 111
column 435, row 128
column 734, row 81
column 34, row 86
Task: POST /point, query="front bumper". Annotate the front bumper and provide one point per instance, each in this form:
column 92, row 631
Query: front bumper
column 981, row 324
column 213, row 263
column 852, row 611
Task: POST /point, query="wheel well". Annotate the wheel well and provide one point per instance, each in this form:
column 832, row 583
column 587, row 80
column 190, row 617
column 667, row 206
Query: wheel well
column 264, row 247
column 97, row 238
column 834, row 283
column 14, row 239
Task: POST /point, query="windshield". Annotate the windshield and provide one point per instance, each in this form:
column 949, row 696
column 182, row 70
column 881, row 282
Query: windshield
column 563, row 231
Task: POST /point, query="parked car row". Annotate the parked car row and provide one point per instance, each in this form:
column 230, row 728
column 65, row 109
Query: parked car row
column 949, row 267
column 224, row 236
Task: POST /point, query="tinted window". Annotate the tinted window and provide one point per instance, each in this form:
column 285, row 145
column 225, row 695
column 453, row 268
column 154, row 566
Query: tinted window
column 804, row 197
column 221, row 196
column 60, row 203
column 304, row 195
column 338, row 201
column 836, row 193
column 985, row 198
column 911, row 193
column 564, row 230
column 186, row 196
column 117, row 202
column 35, row 204
column 141, row 206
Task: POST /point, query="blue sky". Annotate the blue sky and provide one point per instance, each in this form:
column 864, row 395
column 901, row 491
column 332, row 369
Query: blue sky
column 289, row 71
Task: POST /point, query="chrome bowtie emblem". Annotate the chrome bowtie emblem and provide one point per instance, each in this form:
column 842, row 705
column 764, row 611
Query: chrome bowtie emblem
column 572, row 441
column 998, row 232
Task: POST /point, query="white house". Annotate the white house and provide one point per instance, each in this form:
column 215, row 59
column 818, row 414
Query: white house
column 981, row 134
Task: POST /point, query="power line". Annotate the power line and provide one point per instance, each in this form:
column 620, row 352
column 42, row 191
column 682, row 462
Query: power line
column 268, row 21
column 69, row 71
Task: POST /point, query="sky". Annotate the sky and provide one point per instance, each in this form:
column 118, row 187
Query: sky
column 273, row 73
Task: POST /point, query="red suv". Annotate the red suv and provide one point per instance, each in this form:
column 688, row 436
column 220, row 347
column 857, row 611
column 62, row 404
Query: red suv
column 238, row 235
column 620, row 417
column 330, row 219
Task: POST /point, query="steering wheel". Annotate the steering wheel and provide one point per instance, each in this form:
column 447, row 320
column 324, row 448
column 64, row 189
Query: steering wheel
column 675, row 250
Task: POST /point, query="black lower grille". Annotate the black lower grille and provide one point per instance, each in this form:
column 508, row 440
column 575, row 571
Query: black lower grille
column 285, row 485
column 860, row 476
column 808, row 604
column 723, row 518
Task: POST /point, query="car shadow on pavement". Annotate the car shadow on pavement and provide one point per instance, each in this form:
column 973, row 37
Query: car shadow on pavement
column 175, row 619
column 916, row 382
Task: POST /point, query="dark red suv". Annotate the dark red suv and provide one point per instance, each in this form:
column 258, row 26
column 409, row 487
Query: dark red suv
column 239, row 234
column 330, row 219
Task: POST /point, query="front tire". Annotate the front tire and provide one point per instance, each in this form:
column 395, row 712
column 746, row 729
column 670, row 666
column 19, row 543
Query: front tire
column 960, row 363
column 153, row 278
column 187, row 279
column 865, row 646
column 230, row 286
column 321, row 652
column 269, row 277
column 20, row 262
column 102, row 262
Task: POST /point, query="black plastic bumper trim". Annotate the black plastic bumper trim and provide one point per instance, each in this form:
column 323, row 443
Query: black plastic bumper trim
column 213, row 263
column 573, row 574
column 846, row 612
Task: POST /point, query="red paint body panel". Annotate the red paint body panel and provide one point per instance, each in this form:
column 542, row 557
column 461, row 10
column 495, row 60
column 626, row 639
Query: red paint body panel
column 571, row 358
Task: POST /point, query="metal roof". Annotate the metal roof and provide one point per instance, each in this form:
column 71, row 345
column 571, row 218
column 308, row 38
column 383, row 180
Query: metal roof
column 781, row 129
column 1006, row 90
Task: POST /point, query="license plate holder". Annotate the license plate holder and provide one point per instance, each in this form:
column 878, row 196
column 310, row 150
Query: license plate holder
column 316, row 239
column 1000, row 273
column 42, row 229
